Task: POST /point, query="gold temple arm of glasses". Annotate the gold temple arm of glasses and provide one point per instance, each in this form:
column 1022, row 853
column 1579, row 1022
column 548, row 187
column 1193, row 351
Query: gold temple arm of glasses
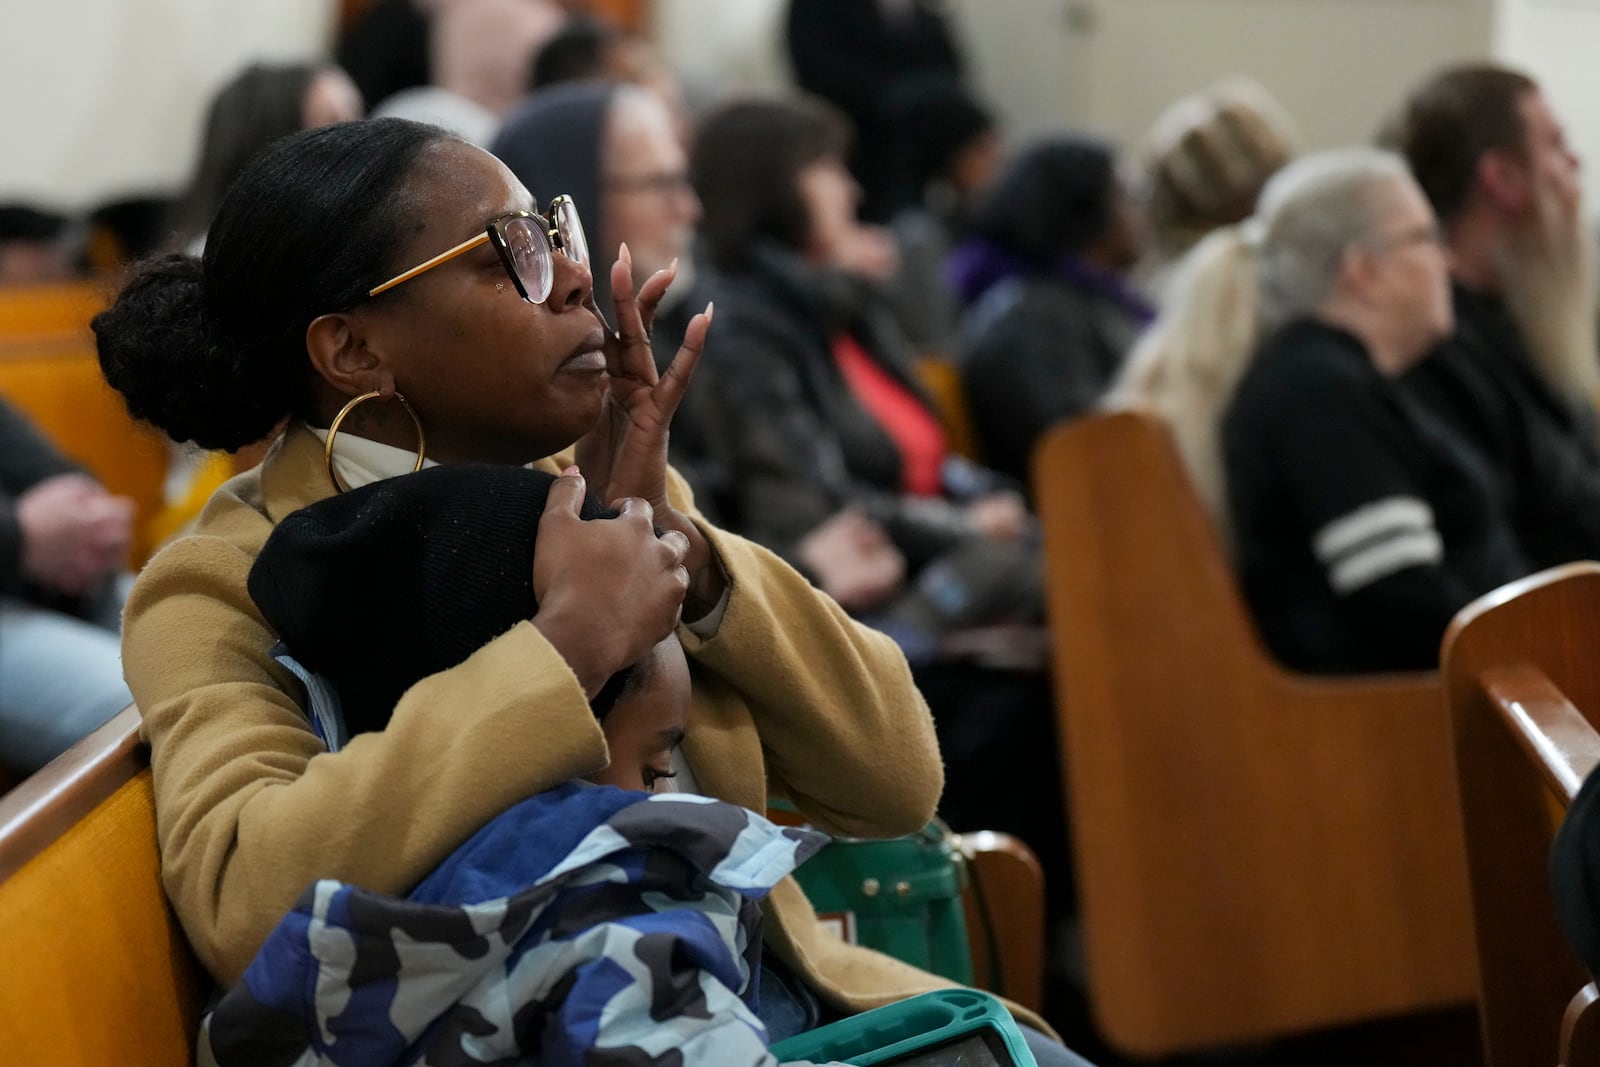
column 443, row 257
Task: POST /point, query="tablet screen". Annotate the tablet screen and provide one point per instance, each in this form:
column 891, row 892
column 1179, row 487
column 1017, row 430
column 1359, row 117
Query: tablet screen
column 982, row 1048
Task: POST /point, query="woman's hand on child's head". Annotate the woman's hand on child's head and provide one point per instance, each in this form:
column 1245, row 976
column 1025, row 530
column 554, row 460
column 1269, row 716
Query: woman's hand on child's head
column 608, row 591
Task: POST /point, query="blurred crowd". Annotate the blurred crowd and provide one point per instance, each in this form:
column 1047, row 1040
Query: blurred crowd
column 1378, row 362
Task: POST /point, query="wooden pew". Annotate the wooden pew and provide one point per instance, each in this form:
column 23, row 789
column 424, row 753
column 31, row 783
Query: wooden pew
column 1522, row 667
column 1258, row 852
column 1004, row 910
column 32, row 312
column 95, row 968
column 56, row 381
column 942, row 379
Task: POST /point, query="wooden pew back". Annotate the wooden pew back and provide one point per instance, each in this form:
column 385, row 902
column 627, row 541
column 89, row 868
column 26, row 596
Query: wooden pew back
column 96, row 969
column 31, row 312
column 56, row 381
column 1522, row 666
column 1004, row 910
column 1258, row 852
column 942, row 379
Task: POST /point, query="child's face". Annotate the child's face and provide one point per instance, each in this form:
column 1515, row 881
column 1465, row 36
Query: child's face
column 646, row 723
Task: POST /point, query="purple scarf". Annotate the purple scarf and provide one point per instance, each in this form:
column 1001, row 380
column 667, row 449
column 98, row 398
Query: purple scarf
column 978, row 266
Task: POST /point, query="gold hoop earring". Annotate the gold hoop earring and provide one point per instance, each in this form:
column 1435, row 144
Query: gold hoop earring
column 333, row 430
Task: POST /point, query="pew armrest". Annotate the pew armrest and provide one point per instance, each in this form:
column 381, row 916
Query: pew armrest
column 1552, row 732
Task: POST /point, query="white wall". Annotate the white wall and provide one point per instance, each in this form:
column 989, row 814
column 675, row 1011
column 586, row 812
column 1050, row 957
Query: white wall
column 1112, row 65
column 1338, row 66
column 105, row 98
column 723, row 47
column 1558, row 42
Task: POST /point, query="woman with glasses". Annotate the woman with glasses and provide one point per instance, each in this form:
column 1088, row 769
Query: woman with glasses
column 616, row 149
column 1360, row 524
column 398, row 297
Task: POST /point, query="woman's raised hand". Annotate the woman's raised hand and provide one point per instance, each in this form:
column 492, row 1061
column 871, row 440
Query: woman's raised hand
column 609, row 590
column 626, row 452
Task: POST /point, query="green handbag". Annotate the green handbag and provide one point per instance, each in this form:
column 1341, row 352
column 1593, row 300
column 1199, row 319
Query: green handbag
column 901, row 896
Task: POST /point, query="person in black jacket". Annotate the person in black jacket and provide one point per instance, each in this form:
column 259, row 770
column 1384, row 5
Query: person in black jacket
column 1520, row 375
column 1360, row 522
column 867, row 58
column 1050, row 312
column 841, row 462
column 841, row 467
column 62, row 541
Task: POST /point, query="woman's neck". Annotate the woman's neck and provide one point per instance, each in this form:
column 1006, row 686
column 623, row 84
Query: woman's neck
column 1387, row 352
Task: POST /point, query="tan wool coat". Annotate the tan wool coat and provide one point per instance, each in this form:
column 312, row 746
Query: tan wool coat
column 791, row 698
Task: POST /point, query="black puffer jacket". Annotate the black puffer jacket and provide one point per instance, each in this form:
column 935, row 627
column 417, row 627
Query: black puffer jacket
column 803, row 447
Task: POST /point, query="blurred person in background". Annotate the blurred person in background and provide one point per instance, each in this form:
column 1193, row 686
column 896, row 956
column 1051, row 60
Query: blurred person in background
column 35, row 246
column 866, row 57
column 1360, row 523
column 476, row 49
column 592, row 48
column 1519, row 376
column 63, row 540
column 1051, row 313
column 842, row 467
column 955, row 155
column 257, row 106
column 1202, row 166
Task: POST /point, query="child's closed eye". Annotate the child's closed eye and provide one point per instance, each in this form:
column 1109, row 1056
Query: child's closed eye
column 652, row 775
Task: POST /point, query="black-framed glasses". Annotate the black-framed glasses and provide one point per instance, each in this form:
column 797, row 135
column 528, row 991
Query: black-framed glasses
column 526, row 242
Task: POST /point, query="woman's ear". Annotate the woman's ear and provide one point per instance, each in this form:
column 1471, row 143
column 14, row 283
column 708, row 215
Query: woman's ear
column 337, row 345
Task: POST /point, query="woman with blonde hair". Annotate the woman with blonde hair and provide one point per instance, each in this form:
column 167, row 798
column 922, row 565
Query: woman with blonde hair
column 1360, row 524
column 1206, row 159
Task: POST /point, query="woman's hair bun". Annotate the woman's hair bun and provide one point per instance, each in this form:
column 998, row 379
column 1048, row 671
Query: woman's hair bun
column 161, row 349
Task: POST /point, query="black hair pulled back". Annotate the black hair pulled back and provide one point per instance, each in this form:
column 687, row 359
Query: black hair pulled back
column 213, row 350
column 1054, row 196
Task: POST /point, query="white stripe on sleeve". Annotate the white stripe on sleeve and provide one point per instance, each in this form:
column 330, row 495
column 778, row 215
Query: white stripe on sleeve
column 1383, row 558
column 1370, row 522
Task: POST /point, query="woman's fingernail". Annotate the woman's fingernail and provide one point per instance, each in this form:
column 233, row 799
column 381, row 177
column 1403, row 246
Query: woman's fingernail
column 672, row 268
column 572, row 472
column 623, row 253
column 711, row 305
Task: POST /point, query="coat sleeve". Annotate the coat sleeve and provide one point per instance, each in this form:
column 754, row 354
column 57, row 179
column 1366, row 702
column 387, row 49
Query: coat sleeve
column 845, row 733
column 26, row 458
column 251, row 809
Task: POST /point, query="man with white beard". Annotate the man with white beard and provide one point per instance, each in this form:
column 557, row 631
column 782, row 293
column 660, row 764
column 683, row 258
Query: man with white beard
column 1519, row 378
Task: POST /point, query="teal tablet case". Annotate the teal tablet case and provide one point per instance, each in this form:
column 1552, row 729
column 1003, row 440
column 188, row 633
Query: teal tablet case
column 945, row 1028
